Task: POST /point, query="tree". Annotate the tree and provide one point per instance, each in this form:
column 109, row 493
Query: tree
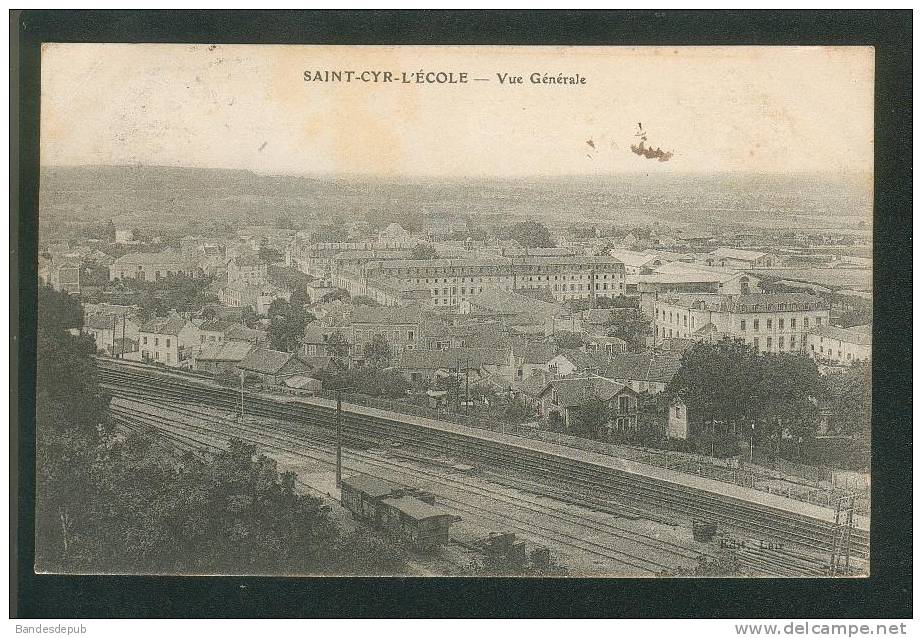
column 334, row 232
column 856, row 317
column 632, row 326
column 335, row 295
column 362, row 300
column 58, row 311
column 532, row 234
column 849, row 395
column 568, row 340
column 286, row 325
column 730, row 384
column 284, row 222
column 338, row 348
column 269, row 255
column 582, row 231
column 119, row 504
column 180, row 292
column 424, row 251
column 588, row 420
column 249, row 318
column 299, row 298
column 378, row 352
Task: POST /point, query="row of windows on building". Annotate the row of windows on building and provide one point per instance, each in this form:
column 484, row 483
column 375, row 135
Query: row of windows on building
column 142, row 274
column 445, row 280
column 146, row 355
column 769, row 341
column 368, row 335
column 768, row 323
column 673, row 318
column 156, row 341
column 828, row 352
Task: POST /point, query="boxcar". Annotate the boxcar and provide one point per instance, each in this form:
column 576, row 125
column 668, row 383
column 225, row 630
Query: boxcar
column 423, row 525
column 406, row 512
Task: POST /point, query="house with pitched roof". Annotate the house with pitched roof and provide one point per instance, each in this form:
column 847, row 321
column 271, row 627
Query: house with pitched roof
column 560, row 397
column 421, row 366
column 168, row 340
column 527, row 357
column 247, row 268
column 214, row 331
column 221, row 358
column 272, row 367
column 150, row 266
column 106, row 328
column 737, row 258
column 566, row 362
column 649, row 371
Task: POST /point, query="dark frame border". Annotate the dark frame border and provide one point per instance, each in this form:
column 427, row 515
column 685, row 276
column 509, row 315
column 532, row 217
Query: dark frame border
column 886, row 594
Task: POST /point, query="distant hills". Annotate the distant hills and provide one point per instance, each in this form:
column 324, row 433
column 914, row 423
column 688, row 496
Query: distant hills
column 155, row 195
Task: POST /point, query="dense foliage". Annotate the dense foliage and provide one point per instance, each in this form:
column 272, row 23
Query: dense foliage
column 532, row 234
column 369, row 381
column 566, row 340
column 107, row 502
column 286, row 325
column 632, row 326
column 424, row 251
column 378, row 352
column 730, row 384
column 178, row 292
column 849, row 394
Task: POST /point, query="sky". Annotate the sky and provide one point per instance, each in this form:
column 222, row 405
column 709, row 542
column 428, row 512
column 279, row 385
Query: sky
column 753, row 109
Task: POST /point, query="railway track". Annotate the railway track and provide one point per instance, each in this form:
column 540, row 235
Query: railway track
column 635, row 492
column 520, row 514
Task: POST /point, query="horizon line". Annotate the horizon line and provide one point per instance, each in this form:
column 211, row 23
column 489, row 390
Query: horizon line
column 477, row 176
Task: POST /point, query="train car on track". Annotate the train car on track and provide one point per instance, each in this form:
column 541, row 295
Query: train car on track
column 406, row 512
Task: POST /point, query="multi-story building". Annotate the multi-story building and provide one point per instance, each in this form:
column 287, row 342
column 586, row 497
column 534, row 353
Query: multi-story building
column 771, row 322
column 839, row 346
column 150, row 266
column 682, row 278
column 400, row 327
column 561, row 397
column 449, row 282
column 247, row 269
column 168, row 340
column 258, row 296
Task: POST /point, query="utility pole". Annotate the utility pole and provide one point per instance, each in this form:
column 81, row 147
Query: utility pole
column 114, row 318
column 122, row 352
column 842, row 535
column 339, row 437
column 752, row 432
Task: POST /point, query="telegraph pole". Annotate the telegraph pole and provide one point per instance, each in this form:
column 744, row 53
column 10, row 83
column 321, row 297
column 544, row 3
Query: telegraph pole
column 752, row 433
column 122, row 349
column 842, row 535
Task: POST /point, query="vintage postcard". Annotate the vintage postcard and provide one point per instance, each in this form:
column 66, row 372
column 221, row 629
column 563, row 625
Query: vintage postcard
column 455, row 310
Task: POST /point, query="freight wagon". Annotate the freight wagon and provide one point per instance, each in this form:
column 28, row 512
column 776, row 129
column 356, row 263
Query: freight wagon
column 406, row 512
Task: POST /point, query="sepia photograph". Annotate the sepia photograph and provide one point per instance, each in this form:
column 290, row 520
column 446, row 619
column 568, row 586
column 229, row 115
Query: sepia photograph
column 455, row 311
